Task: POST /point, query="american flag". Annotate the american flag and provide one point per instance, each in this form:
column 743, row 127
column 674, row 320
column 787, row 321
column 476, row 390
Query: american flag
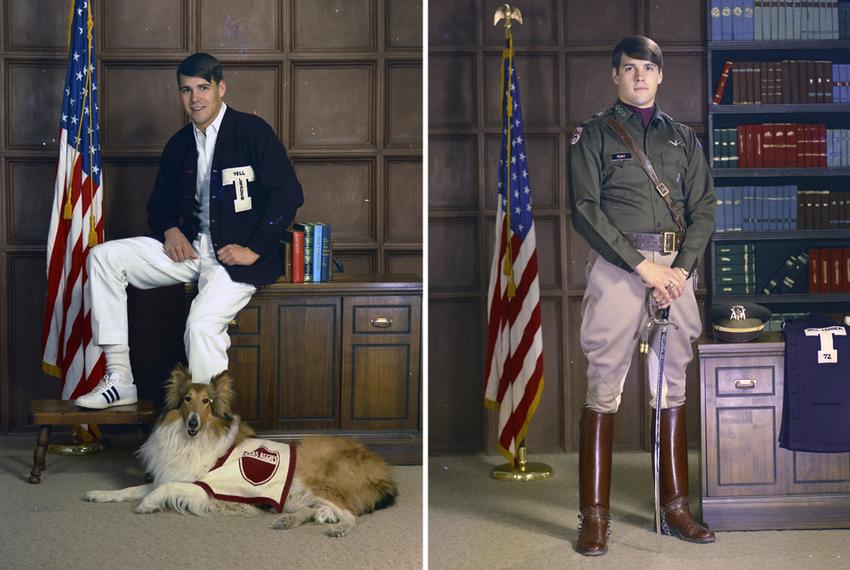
column 514, row 368
column 76, row 223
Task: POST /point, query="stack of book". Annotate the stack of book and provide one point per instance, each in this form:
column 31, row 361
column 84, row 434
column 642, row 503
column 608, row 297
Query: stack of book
column 780, row 145
column 311, row 252
column 756, row 208
column 781, row 82
column 734, row 268
column 829, row 270
column 778, row 319
column 790, row 277
column 823, row 210
column 776, row 20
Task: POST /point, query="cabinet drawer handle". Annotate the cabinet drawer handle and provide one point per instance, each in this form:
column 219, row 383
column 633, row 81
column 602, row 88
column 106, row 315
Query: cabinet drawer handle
column 233, row 324
column 745, row 384
column 381, row 322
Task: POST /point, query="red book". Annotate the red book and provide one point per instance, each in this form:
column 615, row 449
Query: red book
column 825, row 272
column 721, row 83
column 768, row 146
column 791, row 144
column 821, row 135
column 758, row 146
column 298, row 257
column 835, row 257
column 814, row 270
column 845, row 263
column 779, row 145
column 804, row 144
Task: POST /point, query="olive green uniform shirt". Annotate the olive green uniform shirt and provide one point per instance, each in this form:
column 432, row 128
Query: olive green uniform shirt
column 610, row 193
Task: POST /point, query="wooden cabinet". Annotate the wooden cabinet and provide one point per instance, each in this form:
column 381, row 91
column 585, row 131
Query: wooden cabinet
column 748, row 481
column 340, row 357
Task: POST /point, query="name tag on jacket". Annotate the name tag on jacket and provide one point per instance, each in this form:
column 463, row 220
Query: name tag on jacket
column 621, row 156
column 240, row 177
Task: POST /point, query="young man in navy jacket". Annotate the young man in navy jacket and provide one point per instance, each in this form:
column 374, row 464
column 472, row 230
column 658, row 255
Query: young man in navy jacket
column 224, row 194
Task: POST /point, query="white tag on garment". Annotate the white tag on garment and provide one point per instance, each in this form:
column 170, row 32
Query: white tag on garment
column 239, row 177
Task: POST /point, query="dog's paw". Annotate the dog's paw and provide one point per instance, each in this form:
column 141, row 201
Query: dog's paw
column 101, row 497
column 337, row 530
column 145, row 508
column 326, row 515
column 285, row 522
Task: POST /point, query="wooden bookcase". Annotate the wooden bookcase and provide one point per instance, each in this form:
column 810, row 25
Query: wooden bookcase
column 773, row 247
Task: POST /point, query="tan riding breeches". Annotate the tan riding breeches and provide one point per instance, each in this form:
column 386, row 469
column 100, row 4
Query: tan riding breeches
column 613, row 315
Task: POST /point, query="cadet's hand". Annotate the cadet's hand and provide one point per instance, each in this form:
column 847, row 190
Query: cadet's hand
column 177, row 247
column 668, row 282
column 234, row 254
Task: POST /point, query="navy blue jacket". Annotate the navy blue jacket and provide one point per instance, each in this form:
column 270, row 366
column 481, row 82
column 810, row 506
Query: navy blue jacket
column 243, row 140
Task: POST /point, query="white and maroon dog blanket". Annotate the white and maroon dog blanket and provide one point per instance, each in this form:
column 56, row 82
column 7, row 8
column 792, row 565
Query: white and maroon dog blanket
column 257, row 472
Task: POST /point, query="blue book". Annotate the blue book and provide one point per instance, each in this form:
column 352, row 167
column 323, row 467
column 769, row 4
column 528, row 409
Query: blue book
column 720, row 212
column 737, row 20
column 749, row 31
column 737, row 209
column 747, row 208
column 793, row 205
column 726, row 20
column 715, row 20
column 317, row 253
column 326, row 252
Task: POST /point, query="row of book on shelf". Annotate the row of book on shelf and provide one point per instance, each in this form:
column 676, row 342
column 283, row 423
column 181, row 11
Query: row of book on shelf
column 816, row 270
column 776, row 20
column 780, row 208
column 310, row 260
column 784, row 82
column 777, row 320
column 780, row 145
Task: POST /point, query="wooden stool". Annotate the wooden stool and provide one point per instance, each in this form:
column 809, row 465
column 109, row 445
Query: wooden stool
column 46, row 413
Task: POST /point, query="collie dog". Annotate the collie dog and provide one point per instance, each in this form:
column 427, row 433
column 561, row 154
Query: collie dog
column 334, row 480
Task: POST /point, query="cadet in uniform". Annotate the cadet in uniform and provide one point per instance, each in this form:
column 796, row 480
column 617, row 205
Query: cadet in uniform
column 224, row 195
column 638, row 249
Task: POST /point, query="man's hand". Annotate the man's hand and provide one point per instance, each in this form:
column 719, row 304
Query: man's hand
column 668, row 283
column 177, row 247
column 234, row 254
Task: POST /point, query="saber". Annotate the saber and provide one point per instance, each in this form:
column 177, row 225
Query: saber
column 664, row 321
column 661, row 319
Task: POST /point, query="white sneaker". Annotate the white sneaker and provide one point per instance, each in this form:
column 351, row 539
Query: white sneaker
column 110, row 391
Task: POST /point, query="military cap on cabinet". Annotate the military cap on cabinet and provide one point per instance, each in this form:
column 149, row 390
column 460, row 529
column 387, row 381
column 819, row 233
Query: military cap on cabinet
column 738, row 322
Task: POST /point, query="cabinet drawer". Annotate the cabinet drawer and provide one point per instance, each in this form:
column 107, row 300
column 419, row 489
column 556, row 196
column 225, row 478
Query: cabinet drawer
column 756, row 379
column 381, row 319
column 247, row 321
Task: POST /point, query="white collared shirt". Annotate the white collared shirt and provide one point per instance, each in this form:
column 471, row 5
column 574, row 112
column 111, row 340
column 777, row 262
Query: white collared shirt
column 206, row 149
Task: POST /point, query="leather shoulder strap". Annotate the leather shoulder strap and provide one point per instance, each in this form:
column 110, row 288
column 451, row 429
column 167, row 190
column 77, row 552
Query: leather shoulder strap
column 647, row 167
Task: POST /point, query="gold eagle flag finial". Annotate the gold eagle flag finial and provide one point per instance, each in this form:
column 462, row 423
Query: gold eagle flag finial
column 508, row 14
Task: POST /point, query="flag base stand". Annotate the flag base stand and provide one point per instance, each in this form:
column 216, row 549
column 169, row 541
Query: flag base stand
column 525, row 471
column 77, row 448
column 80, row 442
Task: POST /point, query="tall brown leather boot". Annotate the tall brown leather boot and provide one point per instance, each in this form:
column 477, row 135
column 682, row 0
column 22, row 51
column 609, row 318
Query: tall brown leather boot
column 596, row 438
column 676, row 517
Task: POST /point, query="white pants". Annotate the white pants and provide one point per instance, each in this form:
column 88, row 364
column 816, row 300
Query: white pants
column 142, row 263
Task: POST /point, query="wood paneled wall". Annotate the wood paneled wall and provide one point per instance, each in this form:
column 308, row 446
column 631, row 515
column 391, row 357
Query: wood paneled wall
column 340, row 81
column 563, row 59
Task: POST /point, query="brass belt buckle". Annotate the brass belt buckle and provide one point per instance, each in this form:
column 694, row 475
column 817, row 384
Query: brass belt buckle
column 662, row 189
column 668, row 242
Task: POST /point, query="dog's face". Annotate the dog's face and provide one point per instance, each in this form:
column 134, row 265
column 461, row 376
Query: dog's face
column 202, row 406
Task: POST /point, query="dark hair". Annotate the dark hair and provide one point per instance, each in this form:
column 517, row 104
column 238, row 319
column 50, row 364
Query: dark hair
column 638, row 47
column 200, row 65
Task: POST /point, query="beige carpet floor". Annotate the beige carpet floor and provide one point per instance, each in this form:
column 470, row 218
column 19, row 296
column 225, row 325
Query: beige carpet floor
column 476, row 522
column 50, row 526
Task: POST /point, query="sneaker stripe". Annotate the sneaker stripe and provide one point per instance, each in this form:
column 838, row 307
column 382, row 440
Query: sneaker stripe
column 115, row 395
column 106, row 397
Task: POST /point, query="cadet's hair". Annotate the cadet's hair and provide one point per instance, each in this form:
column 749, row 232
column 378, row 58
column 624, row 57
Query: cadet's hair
column 638, row 47
column 200, row 65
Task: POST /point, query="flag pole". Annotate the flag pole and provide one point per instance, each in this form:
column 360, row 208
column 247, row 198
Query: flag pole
column 520, row 469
